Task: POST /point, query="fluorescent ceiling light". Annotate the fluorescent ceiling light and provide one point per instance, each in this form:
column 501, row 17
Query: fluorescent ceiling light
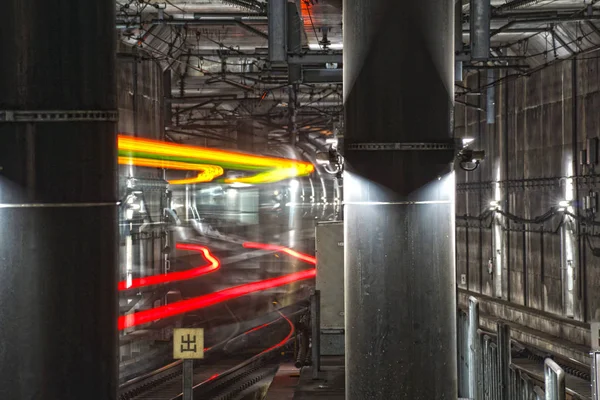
column 332, row 46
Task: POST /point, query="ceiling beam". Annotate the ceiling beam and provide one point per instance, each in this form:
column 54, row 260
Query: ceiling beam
column 308, row 58
column 322, row 76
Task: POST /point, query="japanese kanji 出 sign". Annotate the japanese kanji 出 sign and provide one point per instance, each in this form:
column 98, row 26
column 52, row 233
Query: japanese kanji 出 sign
column 188, row 343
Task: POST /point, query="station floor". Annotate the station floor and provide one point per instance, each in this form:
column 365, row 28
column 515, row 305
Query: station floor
column 292, row 384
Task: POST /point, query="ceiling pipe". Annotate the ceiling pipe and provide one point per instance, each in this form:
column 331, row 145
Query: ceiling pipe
column 208, row 21
column 216, row 15
column 480, row 29
column 191, row 8
column 511, row 5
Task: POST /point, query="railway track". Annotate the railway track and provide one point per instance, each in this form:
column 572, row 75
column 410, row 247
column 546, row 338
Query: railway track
column 226, row 379
column 577, row 376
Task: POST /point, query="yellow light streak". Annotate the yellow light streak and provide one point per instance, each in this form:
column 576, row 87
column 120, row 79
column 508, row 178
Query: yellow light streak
column 127, row 143
column 207, row 172
column 267, row 177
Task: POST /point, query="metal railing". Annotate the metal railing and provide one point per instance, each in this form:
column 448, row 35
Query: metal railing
column 554, row 377
column 485, row 368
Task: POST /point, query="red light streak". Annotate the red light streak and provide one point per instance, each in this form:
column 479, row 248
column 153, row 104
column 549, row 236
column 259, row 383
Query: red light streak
column 261, row 327
column 213, row 265
column 215, row 376
column 273, row 247
column 284, row 341
column 184, row 306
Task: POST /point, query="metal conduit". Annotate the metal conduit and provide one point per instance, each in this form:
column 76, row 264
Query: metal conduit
column 480, row 29
column 511, row 5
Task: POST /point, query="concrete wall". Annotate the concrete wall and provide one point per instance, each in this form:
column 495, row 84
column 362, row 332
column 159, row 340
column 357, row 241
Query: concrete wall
column 140, row 95
column 140, row 101
column 529, row 156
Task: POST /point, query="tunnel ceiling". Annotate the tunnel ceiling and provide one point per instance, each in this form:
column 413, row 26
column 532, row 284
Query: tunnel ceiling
column 541, row 31
column 217, row 52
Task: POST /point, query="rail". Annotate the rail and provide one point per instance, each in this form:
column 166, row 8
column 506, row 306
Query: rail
column 488, row 372
column 221, row 386
column 555, row 380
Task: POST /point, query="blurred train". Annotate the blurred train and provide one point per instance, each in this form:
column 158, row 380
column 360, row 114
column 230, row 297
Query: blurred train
column 157, row 218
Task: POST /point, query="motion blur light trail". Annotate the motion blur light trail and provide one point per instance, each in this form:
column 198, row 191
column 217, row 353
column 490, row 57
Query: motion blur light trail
column 266, row 177
column 278, row 345
column 273, row 247
column 207, row 172
column 213, row 265
column 131, row 148
column 184, row 306
column 284, row 341
column 261, row 327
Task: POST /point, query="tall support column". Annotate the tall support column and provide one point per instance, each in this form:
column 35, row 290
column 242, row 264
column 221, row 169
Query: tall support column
column 58, row 201
column 399, row 225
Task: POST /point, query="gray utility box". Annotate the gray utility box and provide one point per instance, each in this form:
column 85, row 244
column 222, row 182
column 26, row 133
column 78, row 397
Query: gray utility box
column 330, row 283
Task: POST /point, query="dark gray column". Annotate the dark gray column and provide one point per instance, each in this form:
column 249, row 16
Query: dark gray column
column 399, row 225
column 58, row 202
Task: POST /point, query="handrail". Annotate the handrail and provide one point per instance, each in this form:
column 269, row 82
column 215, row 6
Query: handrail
column 539, row 393
column 555, row 380
column 474, row 349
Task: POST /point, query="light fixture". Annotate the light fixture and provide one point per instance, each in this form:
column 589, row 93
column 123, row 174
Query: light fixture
column 467, row 141
column 332, row 46
column 564, row 203
column 240, row 185
column 494, row 204
column 294, row 184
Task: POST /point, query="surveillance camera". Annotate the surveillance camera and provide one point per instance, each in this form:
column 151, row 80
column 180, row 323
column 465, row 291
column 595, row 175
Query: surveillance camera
column 323, row 158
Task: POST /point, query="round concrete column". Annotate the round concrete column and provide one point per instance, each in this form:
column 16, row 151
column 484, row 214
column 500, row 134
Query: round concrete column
column 58, row 201
column 399, row 225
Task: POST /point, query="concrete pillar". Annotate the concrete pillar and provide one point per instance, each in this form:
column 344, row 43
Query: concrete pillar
column 58, row 201
column 399, row 225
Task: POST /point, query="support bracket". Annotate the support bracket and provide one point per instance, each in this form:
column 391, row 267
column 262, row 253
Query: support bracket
column 402, row 146
column 58, row 116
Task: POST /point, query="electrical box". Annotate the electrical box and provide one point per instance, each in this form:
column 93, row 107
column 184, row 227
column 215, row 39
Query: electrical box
column 592, row 151
column 330, row 282
column 590, row 202
column 582, row 157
